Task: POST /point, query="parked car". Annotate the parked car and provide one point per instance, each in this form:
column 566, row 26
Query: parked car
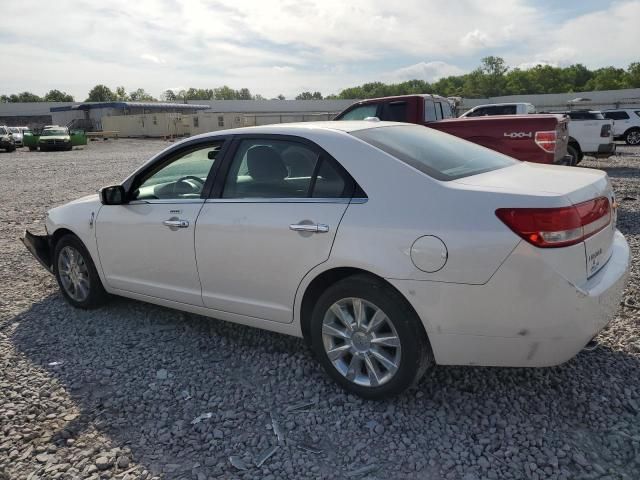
column 533, row 138
column 589, row 134
column 389, row 247
column 500, row 109
column 6, row 140
column 17, row 135
column 626, row 124
column 54, row 137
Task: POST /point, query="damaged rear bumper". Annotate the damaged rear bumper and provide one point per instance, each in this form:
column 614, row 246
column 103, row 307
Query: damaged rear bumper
column 527, row 315
column 40, row 248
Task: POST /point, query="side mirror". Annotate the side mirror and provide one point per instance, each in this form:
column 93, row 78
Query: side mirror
column 113, row 195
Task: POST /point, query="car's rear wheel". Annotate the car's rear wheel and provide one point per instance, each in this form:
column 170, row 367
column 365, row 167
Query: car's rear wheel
column 76, row 274
column 368, row 338
column 632, row 137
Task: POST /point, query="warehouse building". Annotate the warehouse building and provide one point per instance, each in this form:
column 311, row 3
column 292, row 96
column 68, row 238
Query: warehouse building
column 91, row 116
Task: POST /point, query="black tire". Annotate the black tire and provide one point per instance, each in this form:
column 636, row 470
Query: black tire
column 632, row 136
column 33, row 149
column 416, row 355
column 575, row 155
column 96, row 292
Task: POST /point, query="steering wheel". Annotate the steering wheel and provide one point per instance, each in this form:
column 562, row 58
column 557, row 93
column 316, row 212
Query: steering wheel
column 184, row 180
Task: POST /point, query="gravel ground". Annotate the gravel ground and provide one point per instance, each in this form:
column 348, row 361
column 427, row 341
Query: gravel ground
column 138, row 391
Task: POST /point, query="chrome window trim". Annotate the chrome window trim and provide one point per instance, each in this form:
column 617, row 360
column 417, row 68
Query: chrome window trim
column 287, row 200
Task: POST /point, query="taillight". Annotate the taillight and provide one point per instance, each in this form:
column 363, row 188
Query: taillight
column 605, row 131
column 546, row 140
column 558, row 227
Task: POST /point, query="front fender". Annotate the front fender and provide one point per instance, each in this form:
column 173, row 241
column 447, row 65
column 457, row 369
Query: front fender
column 79, row 218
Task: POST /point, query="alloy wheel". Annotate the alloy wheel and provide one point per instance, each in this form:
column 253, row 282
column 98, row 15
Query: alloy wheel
column 74, row 274
column 633, row 138
column 361, row 342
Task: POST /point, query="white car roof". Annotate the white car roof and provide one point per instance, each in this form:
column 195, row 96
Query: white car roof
column 305, row 127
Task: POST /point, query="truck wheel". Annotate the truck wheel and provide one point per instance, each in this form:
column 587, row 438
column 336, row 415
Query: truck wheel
column 632, row 137
column 368, row 339
column 575, row 156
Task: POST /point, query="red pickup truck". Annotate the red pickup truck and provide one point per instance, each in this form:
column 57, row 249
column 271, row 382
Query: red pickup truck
column 532, row 138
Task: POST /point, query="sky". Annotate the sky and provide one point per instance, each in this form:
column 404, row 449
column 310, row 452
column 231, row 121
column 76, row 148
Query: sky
column 287, row 47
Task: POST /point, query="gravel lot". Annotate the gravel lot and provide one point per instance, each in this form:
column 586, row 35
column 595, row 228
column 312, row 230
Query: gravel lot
column 138, row 391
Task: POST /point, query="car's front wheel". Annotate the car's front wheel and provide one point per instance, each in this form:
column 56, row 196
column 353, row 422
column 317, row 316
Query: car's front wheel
column 368, row 338
column 76, row 274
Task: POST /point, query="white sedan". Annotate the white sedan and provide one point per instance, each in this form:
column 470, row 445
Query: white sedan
column 389, row 247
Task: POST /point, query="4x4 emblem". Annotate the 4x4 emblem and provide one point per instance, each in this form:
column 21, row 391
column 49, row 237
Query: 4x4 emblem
column 518, row 134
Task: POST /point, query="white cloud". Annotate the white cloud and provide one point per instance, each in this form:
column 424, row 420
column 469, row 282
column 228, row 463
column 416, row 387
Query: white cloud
column 609, row 36
column 429, row 71
column 475, row 39
column 284, row 46
column 151, row 58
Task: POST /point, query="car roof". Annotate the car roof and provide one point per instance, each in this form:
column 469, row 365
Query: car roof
column 304, row 128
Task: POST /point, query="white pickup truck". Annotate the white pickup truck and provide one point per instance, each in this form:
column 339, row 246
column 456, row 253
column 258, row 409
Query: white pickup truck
column 589, row 134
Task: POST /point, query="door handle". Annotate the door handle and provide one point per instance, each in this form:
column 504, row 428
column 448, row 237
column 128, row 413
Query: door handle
column 315, row 228
column 176, row 223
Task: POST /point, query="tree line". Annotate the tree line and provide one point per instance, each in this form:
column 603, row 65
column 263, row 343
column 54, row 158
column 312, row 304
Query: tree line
column 492, row 78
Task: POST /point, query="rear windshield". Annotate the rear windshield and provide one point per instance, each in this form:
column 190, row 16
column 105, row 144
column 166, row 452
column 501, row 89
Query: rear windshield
column 434, row 153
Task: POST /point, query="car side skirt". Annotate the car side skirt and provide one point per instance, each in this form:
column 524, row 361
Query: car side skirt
column 292, row 329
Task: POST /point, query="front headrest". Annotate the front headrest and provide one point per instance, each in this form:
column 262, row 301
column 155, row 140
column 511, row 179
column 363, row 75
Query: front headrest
column 265, row 164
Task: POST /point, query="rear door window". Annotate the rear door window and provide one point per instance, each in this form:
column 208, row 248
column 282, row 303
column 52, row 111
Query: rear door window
column 438, row 111
column 478, row 112
column 616, row 115
column 429, row 110
column 446, row 110
column 360, row 113
column 394, row 111
column 281, row 169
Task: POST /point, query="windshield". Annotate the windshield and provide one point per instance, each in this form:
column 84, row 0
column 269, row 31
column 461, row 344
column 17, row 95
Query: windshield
column 434, row 153
column 14, row 130
column 51, row 132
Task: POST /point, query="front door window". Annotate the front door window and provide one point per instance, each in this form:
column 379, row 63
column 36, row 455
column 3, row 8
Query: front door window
column 182, row 178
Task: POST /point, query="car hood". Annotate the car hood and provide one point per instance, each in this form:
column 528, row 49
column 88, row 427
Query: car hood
column 93, row 198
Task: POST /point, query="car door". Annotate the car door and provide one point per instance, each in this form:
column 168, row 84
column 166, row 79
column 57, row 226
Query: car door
column 620, row 121
column 147, row 245
column 274, row 215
